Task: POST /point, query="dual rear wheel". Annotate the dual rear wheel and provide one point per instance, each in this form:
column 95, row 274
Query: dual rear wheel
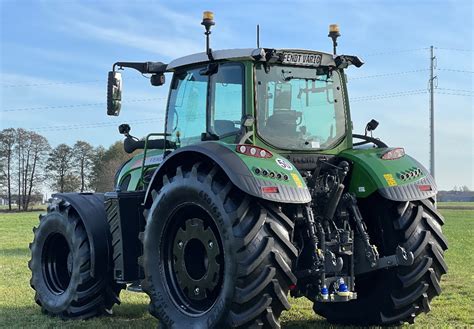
column 61, row 268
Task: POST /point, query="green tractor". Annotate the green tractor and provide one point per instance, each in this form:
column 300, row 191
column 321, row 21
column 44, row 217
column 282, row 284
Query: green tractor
column 255, row 191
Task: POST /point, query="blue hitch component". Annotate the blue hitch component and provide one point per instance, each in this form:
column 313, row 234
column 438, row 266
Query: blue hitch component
column 324, row 292
column 343, row 290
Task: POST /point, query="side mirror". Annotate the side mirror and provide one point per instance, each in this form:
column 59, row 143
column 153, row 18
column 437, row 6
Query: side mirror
column 114, row 93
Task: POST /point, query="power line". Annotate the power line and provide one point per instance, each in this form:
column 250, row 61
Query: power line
column 459, row 90
column 387, row 74
column 79, row 105
column 395, row 51
column 453, row 49
column 388, row 95
column 93, row 125
column 455, row 70
column 49, row 84
column 453, row 94
column 13, row 85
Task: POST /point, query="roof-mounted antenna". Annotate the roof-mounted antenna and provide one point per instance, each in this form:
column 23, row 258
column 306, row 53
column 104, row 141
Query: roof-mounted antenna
column 258, row 35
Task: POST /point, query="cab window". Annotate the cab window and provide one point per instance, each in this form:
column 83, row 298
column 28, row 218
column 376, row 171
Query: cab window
column 187, row 107
column 190, row 114
column 226, row 99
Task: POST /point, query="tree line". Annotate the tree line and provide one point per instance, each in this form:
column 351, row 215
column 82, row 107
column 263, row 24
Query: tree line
column 28, row 164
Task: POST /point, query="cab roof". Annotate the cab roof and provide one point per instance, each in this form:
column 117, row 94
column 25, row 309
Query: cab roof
column 255, row 54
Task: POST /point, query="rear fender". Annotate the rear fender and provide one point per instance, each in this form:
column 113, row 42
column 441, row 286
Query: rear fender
column 91, row 210
column 241, row 171
column 402, row 179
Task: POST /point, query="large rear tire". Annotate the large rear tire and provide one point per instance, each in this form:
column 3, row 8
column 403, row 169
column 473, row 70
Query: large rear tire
column 61, row 268
column 398, row 294
column 215, row 257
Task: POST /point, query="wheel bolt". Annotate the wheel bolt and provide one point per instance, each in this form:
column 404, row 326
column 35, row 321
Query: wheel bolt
column 211, row 244
column 180, row 244
column 196, row 291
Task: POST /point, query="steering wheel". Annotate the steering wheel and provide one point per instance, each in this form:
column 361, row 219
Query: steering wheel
column 367, row 140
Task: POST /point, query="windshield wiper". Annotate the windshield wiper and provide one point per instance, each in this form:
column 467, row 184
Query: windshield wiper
column 291, row 77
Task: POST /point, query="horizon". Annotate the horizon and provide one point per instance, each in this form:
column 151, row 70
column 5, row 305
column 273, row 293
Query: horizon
column 55, row 56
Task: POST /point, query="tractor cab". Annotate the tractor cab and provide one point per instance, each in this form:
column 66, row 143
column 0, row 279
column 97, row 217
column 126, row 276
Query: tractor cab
column 283, row 100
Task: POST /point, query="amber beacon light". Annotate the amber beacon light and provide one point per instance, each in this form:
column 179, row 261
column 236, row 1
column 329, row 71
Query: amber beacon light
column 334, row 34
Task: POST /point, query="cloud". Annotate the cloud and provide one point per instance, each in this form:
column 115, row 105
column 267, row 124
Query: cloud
column 159, row 45
column 116, row 26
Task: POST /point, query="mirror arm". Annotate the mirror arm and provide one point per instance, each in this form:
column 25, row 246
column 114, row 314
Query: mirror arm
column 142, row 67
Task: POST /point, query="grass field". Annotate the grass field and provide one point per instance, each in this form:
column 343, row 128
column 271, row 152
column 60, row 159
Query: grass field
column 454, row 308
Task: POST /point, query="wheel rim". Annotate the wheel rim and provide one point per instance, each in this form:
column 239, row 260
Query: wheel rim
column 194, row 258
column 57, row 263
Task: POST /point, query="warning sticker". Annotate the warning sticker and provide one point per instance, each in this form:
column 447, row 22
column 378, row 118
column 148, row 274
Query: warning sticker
column 297, row 180
column 390, row 180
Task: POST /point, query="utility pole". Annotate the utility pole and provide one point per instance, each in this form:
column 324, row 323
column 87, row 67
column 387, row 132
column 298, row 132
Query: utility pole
column 431, row 87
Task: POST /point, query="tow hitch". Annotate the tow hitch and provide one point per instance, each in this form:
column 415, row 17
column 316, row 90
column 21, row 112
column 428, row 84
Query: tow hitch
column 401, row 258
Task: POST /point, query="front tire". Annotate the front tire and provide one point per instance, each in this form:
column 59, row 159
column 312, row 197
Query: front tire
column 215, row 257
column 398, row 294
column 60, row 268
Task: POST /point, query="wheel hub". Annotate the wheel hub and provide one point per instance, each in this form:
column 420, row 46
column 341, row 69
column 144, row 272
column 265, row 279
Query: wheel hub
column 57, row 263
column 195, row 249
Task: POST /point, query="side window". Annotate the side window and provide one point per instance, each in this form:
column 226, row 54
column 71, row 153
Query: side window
column 187, row 107
column 226, row 101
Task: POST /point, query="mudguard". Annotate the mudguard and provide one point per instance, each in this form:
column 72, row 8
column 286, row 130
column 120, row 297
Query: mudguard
column 402, row 179
column 241, row 170
column 90, row 207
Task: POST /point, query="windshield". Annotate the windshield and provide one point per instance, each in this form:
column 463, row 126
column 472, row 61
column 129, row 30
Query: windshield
column 299, row 108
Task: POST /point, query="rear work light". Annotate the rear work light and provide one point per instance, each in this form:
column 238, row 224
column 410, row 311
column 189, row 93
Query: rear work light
column 393, row 154
column 253, row 151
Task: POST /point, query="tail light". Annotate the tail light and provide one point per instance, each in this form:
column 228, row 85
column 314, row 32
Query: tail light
column 425, row 188
column 393, row 154
column 253, row 151
column 270, row 189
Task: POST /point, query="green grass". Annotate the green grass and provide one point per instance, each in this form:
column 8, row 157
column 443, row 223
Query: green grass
column 454, row 308
column 456, row 205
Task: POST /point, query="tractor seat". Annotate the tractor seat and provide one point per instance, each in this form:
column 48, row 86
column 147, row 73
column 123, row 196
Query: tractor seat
column 283, row 122
column 222, row 127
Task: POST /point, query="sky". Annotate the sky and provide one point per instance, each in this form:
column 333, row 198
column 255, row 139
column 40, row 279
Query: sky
column 55, row 55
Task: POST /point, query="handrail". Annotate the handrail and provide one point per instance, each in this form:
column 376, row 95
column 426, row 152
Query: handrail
column 145, row 151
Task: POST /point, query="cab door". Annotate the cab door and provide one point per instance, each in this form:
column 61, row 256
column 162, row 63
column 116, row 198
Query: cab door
column 206, row 106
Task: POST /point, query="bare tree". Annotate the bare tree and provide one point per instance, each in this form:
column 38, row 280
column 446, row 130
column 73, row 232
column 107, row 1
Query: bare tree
column 60, row 169
column 84, row 157
column 20, row 142
column 38, row 151
column 29, row 150
column 7, row 143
